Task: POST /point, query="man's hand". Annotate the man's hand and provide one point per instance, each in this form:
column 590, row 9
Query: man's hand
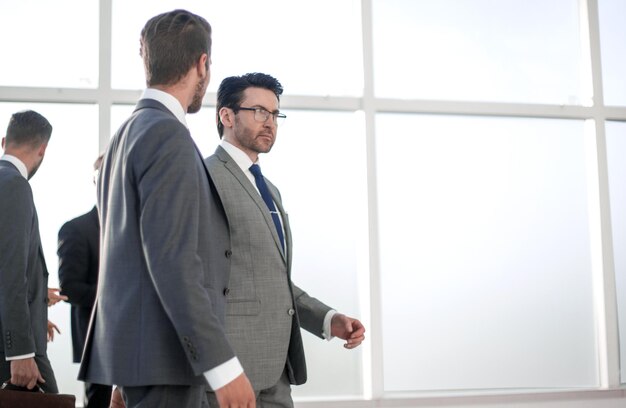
column 348, row 329
column 25, row 373
column 51, row 328
column 116, row 399
column 236, row 394
column 54, row 296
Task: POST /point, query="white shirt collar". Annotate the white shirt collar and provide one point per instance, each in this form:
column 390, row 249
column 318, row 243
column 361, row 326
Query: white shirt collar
column 21, row 167
column 170, row 102
column 238, row 155
column 242, row 160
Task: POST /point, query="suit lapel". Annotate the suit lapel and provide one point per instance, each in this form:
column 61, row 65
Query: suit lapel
column 236, row 171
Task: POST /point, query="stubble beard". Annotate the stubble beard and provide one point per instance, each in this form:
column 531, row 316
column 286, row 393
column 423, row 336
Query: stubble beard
column 196, row 102
column 247, row 139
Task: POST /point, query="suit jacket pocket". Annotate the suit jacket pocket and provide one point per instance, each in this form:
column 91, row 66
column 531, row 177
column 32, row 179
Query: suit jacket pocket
column 243, row 307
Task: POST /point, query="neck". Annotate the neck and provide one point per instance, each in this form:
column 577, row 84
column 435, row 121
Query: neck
column 254, row 156
column 177, row 92
column 25, row 156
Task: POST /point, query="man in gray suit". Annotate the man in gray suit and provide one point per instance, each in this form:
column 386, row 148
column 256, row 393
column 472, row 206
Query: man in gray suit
column 23, row 273
column 265, row 310
column 157, row 327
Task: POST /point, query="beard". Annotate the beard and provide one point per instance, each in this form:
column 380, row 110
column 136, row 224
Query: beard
column 35, row 168
column 247, row 138
column 196, row 102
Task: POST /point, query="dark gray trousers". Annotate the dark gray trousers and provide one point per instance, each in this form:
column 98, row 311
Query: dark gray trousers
column 277, row 396
column 165, row 396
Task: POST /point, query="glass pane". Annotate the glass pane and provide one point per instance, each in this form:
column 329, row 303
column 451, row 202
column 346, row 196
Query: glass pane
column 283, row 39
column 484, row 223
column 612, row 35
column 63, row 189
column 502, row 51
column 616, row 151
column 327, row 211
column 42, row 46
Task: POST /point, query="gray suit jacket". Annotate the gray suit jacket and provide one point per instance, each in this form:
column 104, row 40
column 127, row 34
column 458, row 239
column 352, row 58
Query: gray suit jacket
column 164, row 259
column 262, row 323
column 23, row 273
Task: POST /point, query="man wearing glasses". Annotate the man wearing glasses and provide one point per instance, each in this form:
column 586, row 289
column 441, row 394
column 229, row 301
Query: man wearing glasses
column 265, row 310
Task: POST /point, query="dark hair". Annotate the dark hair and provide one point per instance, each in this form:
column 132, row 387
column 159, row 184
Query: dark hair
column 171, row 43
column 28, row 128
column 230, row 92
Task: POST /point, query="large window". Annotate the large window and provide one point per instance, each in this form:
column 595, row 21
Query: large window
column 442, row 163
column 506, row 51
column 483, row 226
column 44, row 44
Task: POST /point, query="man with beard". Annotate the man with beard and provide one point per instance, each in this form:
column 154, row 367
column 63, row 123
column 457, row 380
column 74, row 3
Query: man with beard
column 157, row 326
column 23, row 272
column 265, row 310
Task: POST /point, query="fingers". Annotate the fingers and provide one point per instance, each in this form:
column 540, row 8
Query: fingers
column 353, row 343
column 357, row 335
column 237, row 393
column 24, row 372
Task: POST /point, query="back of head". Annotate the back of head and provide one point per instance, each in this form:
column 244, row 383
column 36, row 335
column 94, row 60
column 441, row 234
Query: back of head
column 230, row 92
column 171, row 43
column 27, row 129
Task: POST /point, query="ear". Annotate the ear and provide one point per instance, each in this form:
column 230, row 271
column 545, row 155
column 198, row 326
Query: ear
column 42, row 149
column 3, row 140
column 226, row 117
column 203, row 65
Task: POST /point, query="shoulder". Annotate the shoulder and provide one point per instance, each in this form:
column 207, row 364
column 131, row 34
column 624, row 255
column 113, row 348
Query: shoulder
column 11, row 181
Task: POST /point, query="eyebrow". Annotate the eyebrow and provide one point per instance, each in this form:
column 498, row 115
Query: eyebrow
column 261, row 106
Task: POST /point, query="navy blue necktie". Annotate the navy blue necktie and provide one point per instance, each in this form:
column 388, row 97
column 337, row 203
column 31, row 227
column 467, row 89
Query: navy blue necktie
column 267, row 197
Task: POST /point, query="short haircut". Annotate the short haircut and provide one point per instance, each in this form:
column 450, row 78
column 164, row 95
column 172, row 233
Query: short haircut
column 171, row 43
column 230, row 92
column 28, row 128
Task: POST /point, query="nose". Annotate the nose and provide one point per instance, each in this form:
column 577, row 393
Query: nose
column 270, row 122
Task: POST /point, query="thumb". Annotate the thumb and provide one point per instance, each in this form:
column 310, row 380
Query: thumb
column 348, row 325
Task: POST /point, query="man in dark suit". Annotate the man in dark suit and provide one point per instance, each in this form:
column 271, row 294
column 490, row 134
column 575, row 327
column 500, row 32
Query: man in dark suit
column 23, row 273
column 157, row 327
column 79, row 255
column 265, row 310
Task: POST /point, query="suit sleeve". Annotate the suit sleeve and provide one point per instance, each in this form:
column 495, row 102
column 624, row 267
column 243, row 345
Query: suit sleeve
column 310, row 311
column 16, row 218
column 73, row 251
column 170, row 184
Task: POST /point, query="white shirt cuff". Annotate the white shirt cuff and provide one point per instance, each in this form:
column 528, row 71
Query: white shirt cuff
column 327, row 320
column 224, row 373
column 22, row 357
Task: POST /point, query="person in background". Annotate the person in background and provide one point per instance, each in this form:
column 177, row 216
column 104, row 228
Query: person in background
column 23, row 272
column 265, row 310
column 79, row 257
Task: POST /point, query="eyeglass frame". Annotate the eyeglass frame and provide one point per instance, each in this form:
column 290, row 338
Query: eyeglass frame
column 260, row 110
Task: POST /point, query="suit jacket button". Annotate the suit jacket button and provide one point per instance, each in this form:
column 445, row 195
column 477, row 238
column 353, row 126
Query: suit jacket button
column 291, row 312
column 228, row 253
column 226, row 291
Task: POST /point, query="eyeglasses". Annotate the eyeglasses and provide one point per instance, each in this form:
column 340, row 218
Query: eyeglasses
column 261, row 115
